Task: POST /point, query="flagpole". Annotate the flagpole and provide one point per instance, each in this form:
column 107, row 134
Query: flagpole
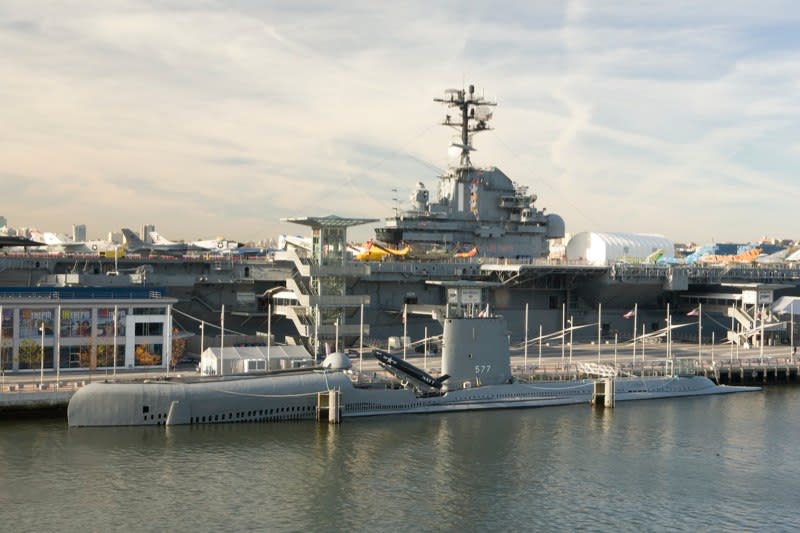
column 712, row 347
column 700, row 334
column 635, row 329
column 525, row 364
column 361, row 341
column 540, row 344
column 57, row 347
column 222, row 341
column 571, row 327
column 669, row 336
column 425, row 364
column 115, row 340
column 644, row 329
column 405, row 328
column 2, row 366
column 599, row 328
column 269, row 336
column 762, row 334
column 791, row 329
column 733, row 334
column 563, row 332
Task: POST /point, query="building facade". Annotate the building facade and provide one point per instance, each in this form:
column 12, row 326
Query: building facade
column 84, row 328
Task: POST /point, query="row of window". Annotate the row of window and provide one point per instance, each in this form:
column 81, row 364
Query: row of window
column 73, row 322
column 29, row 356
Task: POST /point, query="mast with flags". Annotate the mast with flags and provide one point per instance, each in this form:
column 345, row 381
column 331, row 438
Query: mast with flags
column 633, row 313
column 698, row 312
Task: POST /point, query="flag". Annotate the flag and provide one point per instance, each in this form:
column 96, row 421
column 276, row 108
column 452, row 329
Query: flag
column 629, row 314
column 694, row 312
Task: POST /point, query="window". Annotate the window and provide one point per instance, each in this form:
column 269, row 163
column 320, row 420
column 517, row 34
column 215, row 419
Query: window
column 105, row 355
column 30, row 355
column 7, row 321
column 105, row 322
column 76, row 322
column 149, row 329
column 30, row 321
column 75, row 357
column 6, row 353
column 149, row 311
column 148, row 354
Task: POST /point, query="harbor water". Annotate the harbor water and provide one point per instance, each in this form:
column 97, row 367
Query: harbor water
column 721, row 463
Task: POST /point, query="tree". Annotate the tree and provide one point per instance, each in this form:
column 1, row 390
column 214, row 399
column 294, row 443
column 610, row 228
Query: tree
column 178, row 347
column 30, row 353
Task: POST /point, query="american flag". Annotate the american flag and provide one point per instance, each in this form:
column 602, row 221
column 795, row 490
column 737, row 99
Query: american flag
column 629, row 314
column 694, row 312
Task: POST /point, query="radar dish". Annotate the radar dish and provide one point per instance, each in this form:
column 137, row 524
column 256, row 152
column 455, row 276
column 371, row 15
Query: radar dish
column 483, row 113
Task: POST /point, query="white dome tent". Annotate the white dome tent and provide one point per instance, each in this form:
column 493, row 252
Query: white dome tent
column 606, row 248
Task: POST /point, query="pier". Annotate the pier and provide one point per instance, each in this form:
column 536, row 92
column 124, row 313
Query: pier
column 29, row 394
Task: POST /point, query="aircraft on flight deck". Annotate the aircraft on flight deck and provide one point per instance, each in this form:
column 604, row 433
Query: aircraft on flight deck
column 218, row 245
column 136, row 245
column 9, row 241
column 62, row 245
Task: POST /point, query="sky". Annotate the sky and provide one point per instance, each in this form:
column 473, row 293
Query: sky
column 219, row 118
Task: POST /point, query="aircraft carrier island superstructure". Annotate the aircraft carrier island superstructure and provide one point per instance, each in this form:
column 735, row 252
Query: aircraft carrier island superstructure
column 476, row 207
column 482, row 238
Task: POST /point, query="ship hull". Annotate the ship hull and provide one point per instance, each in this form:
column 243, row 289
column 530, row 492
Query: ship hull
column 294, row 397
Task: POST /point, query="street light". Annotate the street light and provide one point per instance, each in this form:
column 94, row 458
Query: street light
column 202, row 337
column 41, row 365
column 570, row 340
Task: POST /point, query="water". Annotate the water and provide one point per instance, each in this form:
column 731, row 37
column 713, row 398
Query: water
column 726, row 463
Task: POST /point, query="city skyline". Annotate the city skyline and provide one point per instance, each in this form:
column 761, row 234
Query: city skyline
column 219, row 119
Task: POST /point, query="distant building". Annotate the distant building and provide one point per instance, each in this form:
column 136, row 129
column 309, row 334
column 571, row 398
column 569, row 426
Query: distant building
column 115, row 237
column 78, row 232
column 3, row 221
column 146, row 230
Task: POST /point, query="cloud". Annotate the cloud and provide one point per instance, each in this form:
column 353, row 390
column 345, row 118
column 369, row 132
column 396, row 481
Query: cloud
column 215, row 118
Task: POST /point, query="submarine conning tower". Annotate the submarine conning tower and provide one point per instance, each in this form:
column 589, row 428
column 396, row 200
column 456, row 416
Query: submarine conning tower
column 474, row 343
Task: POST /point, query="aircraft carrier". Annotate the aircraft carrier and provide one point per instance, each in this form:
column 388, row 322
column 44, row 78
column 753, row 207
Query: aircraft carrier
column 483, row 232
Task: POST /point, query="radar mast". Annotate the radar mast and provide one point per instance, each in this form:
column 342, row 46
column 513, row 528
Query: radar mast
column 475, row 115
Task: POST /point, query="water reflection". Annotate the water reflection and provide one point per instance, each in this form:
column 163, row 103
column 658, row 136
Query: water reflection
column 570, row 467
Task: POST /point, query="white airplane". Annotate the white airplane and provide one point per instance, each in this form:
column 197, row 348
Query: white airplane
column 296, row 241
column 61, row 244
column 217, row 245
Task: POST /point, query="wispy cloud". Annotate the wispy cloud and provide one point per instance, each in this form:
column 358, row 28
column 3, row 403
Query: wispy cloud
column 222, row 117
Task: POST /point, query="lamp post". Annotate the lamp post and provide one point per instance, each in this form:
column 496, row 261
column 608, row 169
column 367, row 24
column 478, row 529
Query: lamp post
column 57, row 346
column 2, row 366
column 525, row 364
column 41, row 360
column 116, row 314
column 269, row 335
column 563, row 332
column 570, row 340
column 222, row 341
